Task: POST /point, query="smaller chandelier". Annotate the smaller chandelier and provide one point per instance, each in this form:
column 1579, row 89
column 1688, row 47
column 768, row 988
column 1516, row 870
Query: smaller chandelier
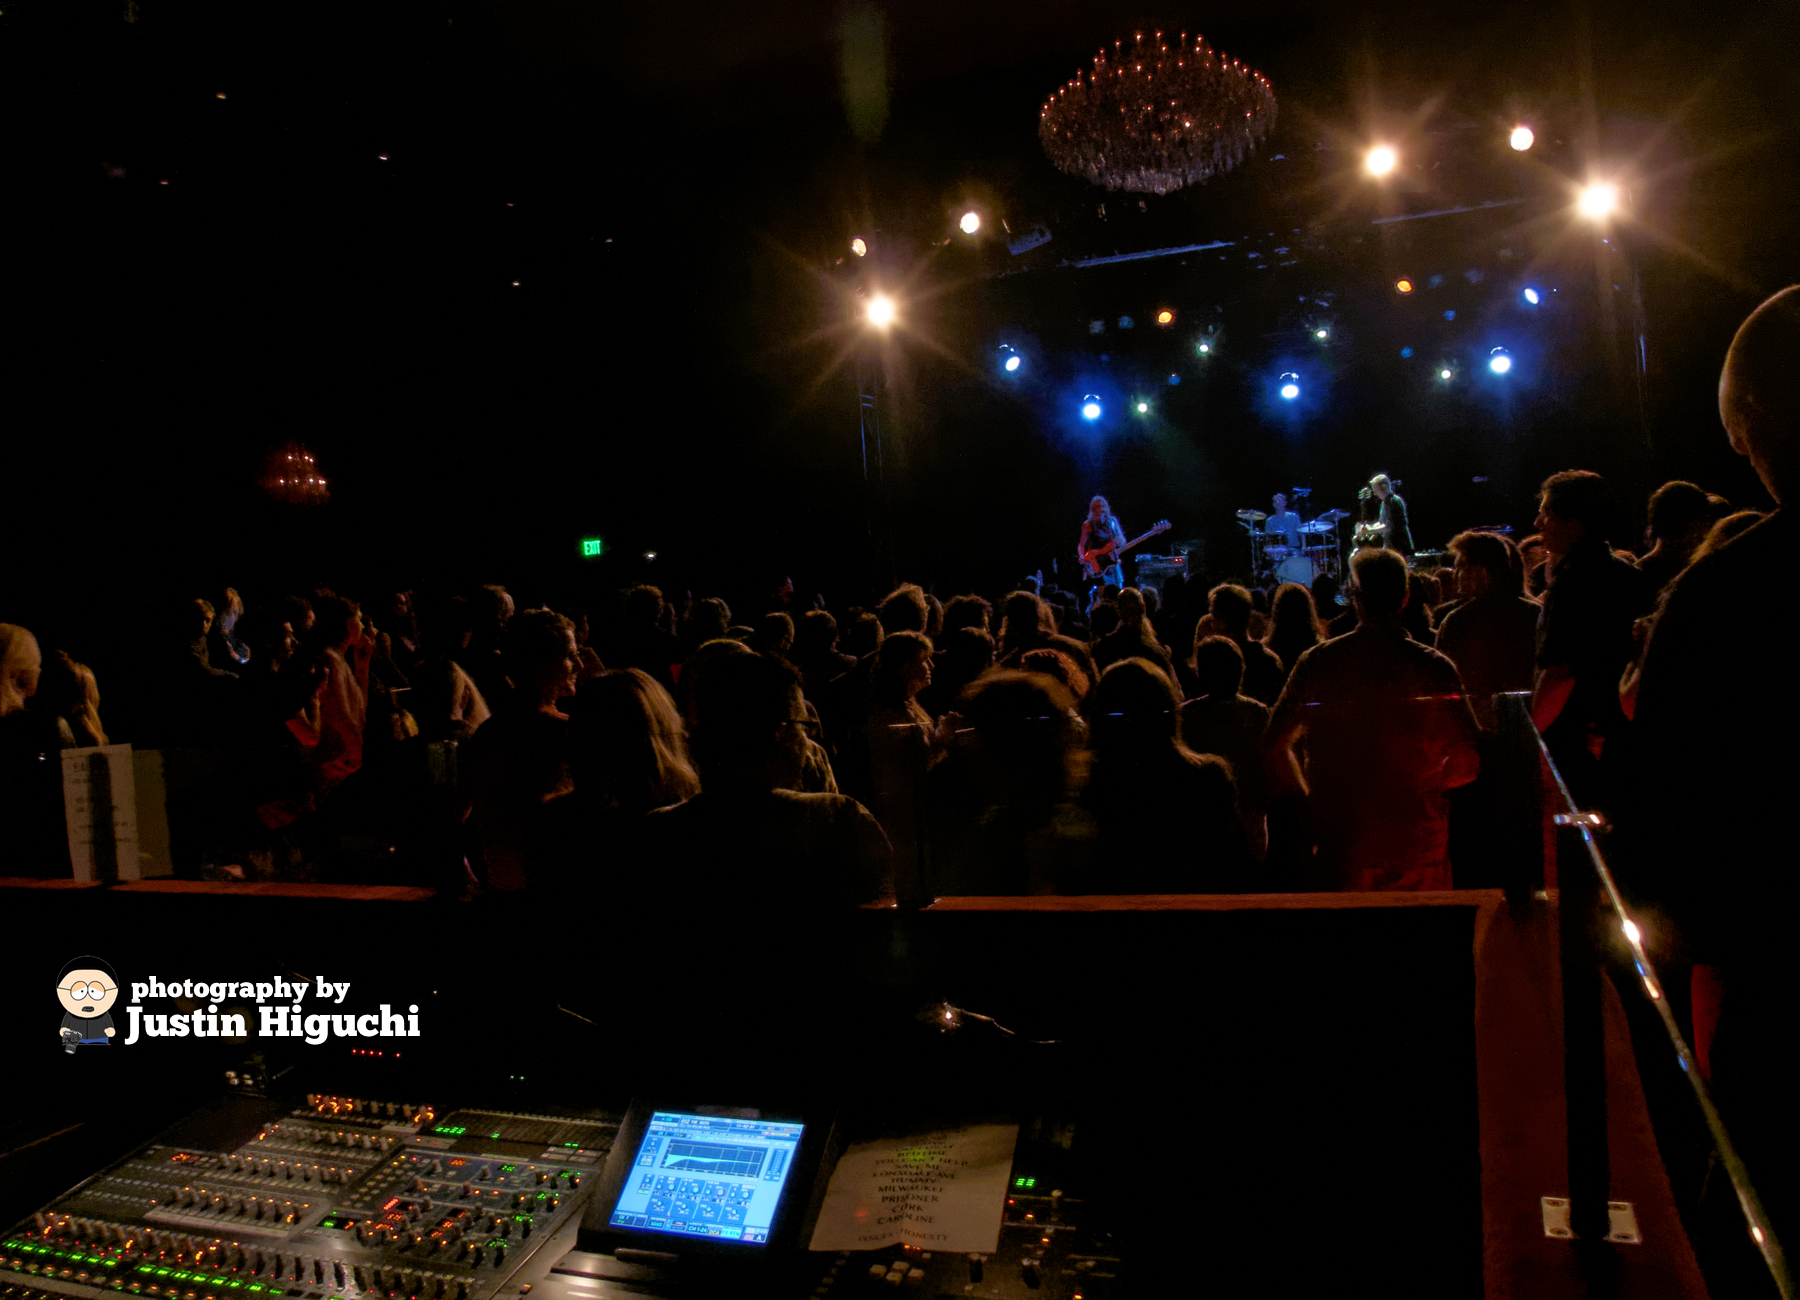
column 1156, row 117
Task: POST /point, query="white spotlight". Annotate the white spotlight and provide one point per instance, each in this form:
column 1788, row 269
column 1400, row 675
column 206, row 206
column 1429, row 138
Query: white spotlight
column 1531, row 296
column 1499, row 362
column 1012, row 363
column 1598, row 201
column 1321, row 335
column 970, row 223
column 1521, row 138
column 881, row 311
column 858, row 247
column 1381, row 160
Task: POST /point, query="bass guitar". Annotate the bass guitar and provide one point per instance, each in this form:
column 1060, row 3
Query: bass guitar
column 1095, row 562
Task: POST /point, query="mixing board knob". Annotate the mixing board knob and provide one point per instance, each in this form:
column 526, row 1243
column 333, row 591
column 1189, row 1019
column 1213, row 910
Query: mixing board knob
column 975, row 1269
column 337, row 1270
column 475, row 1258
column 435, row 1167
column 499, row 1256
column 362, row 1277
column 524, row 1231
column 551, row 1201
column 542, row 1177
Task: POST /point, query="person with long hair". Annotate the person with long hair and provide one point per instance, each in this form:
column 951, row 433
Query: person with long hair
column 1002, row 813
column 628, row 748
column 31, row 806
column 21, row 667
column 904, row 744
column 1294, row 626
column 1025, row 623
column 69, row 691
column 1167, row 817
column 1219, row 720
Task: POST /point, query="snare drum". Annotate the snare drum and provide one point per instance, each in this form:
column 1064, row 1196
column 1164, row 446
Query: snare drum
column 1277, row 552
column 1297, row 568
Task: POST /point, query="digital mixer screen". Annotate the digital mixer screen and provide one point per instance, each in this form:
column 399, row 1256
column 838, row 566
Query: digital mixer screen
column 705, row 1176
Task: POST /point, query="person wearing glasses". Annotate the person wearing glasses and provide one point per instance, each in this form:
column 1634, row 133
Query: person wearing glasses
column 87, row 989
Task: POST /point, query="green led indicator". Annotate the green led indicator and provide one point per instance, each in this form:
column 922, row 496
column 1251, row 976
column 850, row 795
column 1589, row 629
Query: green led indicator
column 256, row 1286
column 450, row 1130
column 506, row 1169
column 591, row 546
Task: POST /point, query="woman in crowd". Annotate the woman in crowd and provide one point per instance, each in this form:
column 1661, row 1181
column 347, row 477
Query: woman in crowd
column 1167, row 817
column 1294, row 626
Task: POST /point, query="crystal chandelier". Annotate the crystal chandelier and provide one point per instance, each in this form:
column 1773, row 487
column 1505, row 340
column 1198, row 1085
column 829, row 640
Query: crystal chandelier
column 1156, row 117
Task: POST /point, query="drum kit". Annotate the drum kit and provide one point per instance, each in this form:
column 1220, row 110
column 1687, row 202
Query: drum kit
column 1273, row 560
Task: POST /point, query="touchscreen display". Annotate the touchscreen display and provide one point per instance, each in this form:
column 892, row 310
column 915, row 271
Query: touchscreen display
column 705, row 1176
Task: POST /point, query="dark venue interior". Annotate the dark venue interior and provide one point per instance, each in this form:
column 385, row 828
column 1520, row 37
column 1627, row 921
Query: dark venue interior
column 569, row 622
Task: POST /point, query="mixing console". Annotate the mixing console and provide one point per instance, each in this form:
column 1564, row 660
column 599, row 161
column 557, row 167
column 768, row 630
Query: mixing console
column 343, row 1199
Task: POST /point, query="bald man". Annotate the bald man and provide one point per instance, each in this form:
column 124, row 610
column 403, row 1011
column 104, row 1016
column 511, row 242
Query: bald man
column 1707, row 838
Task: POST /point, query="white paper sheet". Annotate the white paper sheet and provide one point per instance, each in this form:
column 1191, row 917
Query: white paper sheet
column 943, row 1190
column 100, row 804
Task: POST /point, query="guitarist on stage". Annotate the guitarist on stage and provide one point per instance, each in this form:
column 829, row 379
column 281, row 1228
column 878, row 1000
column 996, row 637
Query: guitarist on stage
column 1101, row 549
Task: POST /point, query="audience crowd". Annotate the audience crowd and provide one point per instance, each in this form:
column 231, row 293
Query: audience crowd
column 1190, row 739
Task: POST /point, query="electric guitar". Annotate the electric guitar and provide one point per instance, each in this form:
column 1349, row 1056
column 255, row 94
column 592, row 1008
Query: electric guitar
column 1094, row 563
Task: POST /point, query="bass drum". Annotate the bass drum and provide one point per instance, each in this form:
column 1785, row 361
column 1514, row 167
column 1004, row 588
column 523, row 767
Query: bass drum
column 1297, row 568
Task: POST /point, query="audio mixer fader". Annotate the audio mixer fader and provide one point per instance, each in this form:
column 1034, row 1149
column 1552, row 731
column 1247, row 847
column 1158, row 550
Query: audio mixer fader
column 340, row 1199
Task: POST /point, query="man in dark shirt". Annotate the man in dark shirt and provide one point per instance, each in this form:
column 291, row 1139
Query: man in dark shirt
column 1706, row 837
column 1584, row 636
column 1392, row 516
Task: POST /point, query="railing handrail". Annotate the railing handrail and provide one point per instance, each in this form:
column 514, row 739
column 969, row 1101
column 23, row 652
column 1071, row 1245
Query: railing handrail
column 1761, row 1232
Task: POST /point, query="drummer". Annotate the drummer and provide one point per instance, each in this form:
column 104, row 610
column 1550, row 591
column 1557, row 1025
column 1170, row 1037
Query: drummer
column 1283, row 521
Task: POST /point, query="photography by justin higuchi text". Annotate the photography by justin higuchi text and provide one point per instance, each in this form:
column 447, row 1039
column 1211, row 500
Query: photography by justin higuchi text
column 87, row 988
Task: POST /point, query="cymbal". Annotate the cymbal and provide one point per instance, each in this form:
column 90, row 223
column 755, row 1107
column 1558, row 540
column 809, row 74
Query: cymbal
column 1256, row 515
column 1332, row 516
column 1317, row 526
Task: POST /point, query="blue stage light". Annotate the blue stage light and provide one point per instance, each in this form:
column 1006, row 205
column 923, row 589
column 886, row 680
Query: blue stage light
column 1090, row 408
column 1290, row 386
column 1530, row 296
column 1012, row 363
column 1499, row 361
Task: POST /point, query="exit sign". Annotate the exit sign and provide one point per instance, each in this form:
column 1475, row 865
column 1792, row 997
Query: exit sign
column 590, row 546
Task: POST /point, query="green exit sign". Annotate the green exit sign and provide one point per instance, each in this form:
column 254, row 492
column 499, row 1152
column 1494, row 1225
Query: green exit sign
column 591, row 546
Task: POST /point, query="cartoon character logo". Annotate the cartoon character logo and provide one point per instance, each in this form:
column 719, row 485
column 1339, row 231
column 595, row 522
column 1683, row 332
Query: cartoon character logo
column 87, row 989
